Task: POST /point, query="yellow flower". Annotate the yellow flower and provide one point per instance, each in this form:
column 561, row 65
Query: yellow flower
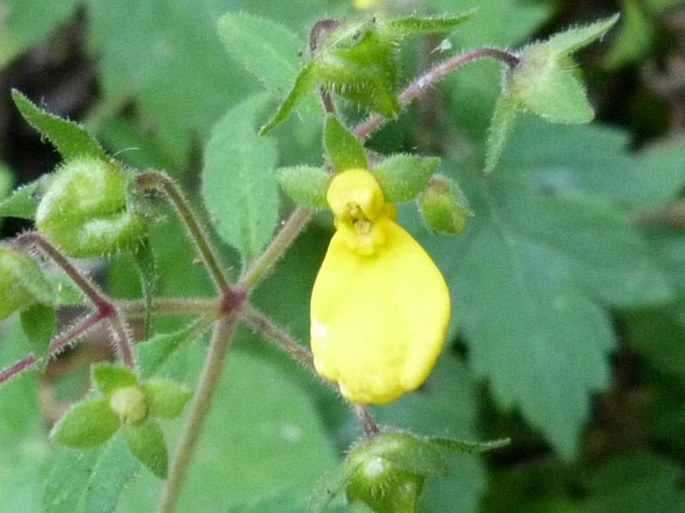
column 380, row 307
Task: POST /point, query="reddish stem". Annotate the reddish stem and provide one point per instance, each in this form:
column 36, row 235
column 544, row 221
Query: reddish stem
column 421, row 84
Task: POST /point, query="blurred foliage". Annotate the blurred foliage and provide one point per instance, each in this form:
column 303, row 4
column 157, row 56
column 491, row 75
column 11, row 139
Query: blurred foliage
column 576, row 254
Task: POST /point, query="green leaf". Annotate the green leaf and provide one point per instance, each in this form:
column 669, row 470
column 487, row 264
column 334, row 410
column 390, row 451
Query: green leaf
column 87, row 424
column 416, row 25
column 403, row 176
column 567, row 42
column 146, row 442
column 329, row 487
column 181, row 84
column 69, row 138
column 109, row 378
column 38, row 322
column 342, row 146
column 453, row 444
column 24, row 24
column 88, row 481
column 501, row 126
column 24, row 200
column 303, row 84
column 551, row 243
column 305, row 185
column 638, row 482
column 165, row 398
column 263, row 47
column 22, row 282
column 24, row 451
column 238, row 187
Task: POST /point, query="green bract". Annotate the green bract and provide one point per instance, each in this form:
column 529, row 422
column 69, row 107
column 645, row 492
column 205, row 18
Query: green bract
column 21, row 282
column 85, row 210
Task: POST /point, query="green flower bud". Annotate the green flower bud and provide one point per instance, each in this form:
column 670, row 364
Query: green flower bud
column 389, row 471
column 85, row 210
column 129, row 404
column 444, row 206
column 21, row 282
column 359, row 62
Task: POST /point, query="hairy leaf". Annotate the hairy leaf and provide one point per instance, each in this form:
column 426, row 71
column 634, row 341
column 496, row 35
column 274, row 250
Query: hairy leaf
column 70, row 139
column 88, row 481
column 238, row 183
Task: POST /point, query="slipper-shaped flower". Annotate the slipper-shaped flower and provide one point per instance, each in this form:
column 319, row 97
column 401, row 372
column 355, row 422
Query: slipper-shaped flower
column 380, row 306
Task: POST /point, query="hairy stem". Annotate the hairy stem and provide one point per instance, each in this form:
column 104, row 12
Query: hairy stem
column 211, row 372
column 288, row 233
column 279, row 336
column 365, row 419
column 136, row 309
column 56, row 346
column 105, row 307
column 422, row 83
column 155, row 180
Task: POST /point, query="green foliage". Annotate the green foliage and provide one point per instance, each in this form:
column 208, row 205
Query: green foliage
column 238, row 184
column 573, row 242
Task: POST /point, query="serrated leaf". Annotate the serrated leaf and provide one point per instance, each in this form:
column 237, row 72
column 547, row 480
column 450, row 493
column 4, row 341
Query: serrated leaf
column 303, row 84
column 109, row 378
column 89, row 481
column 569, row 41
column 146, row 442
column 183, row 82
column 343, row 148
column 238, row 184
column 453, row 444
column 402, row 176
column 550, row 244
column 154, row 353
column 305, row 185
column 87, row 424
column 69, row 138
column 416, row 25
column 38, row 322
column 165, row 398
column 263, row 47
column 24, row 200
column 501, row 126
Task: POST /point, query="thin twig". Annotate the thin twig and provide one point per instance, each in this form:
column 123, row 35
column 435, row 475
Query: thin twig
column 288, row 233
column 160, row 182
column 106, row 309
column 422, row 83
column 209, row 379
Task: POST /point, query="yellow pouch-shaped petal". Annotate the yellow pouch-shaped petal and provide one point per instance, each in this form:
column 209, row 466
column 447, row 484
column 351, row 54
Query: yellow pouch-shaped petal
column 378, row 318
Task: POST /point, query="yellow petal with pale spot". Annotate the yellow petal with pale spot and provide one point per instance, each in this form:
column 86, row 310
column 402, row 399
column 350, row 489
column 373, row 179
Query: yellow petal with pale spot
column 378, row 318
